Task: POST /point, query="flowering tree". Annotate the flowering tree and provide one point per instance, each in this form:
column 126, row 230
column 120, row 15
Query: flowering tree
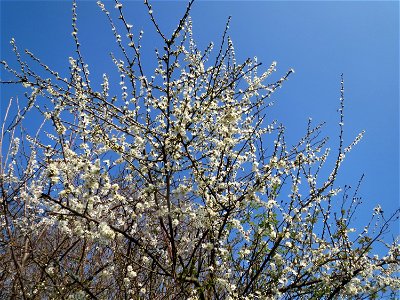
column 178, row 187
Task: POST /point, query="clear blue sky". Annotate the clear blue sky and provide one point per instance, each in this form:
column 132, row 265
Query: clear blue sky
column 319, row 39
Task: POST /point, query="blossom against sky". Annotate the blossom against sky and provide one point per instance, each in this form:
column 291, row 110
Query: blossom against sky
column 320, row 40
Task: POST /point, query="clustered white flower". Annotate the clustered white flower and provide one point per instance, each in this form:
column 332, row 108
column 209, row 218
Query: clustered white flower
column 168, row 189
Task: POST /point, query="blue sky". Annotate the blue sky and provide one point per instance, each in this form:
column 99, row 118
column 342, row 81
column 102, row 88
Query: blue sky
column 319, row 39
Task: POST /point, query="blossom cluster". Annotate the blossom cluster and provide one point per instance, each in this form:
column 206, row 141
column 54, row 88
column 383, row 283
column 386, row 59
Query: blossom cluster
column 176, row 184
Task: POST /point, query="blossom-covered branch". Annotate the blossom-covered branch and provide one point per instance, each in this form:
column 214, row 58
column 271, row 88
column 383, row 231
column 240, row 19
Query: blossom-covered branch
column 178, row 186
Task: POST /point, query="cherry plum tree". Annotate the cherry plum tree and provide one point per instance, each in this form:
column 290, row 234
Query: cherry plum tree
column 175, row 184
